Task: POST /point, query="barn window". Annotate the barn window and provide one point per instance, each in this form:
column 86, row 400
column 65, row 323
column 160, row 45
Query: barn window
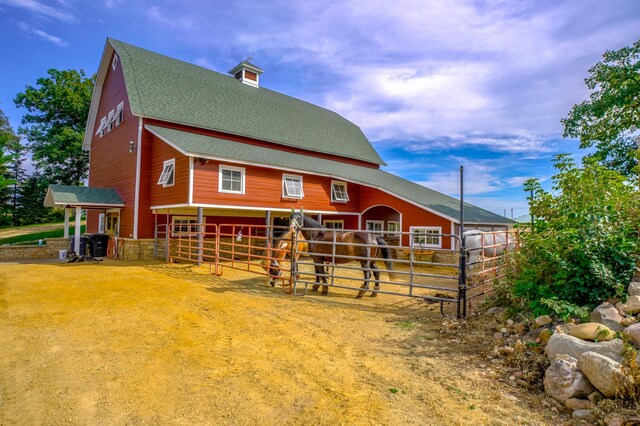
column 231, row 179
column 167, row 177
column 101, row 223
column 426, row 236
column 292, row 186
column 393, row 228
column 114, row 63
column 111, row 120
column 333, row 224
column 119, row 113
column 375, row 225
column 102, row 130
column 183, row 226
column 339, row 192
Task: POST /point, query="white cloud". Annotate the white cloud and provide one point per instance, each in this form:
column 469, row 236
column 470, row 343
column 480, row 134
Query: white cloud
column 170, row 19
column 42, row 34
column 41, row 9
column 205, row 63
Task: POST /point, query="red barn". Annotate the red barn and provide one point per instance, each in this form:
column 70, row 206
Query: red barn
column 173, row 139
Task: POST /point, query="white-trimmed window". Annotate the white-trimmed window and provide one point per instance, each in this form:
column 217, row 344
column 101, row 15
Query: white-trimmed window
column 111, row 120
column 182, row 226
column 426, row 236
column 292, row 186
column 120, row 113
column 114, row 63
column 101, row 223
column 167, row 177
column 393, row 228
column 375, row 225
column 102, row 130
column 333, row 224
column 231, row 179
column 339, row 192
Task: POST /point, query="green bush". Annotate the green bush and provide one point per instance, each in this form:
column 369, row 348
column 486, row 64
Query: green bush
column 584, row 243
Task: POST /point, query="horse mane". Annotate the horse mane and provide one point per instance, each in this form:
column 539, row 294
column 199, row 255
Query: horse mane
column 311, row 223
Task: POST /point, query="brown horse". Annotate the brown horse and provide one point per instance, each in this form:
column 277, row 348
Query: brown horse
column 360, row 246
column 282, row 249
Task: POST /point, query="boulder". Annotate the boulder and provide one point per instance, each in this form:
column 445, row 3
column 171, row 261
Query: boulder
column 545, row 335
column 565, row 344
column 565, row 328
column 582, row 415
column 542, row 321
column 634, row 288
column 631, row 306
column 603, row 373
column 608, row 315
column 563, row 381
column 579, row 404
column 592, row 331
column 627, row 321
column 633, row 331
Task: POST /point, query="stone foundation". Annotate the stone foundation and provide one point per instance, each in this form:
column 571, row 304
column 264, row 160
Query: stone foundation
column 49, row 250
column 130, row 249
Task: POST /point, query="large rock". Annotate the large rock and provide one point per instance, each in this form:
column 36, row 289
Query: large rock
column 633, row 331
column 603, row 373
column 565, row 344
column 592, row 331
column 631, row 306
column 634, row 288
column 563, row 381
column 608, row 315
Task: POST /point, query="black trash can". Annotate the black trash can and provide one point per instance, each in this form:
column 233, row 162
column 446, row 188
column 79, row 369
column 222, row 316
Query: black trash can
column 98, row 244
column 84, row 241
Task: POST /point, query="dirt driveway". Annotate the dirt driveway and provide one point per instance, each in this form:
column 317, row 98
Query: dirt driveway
column 134, row 343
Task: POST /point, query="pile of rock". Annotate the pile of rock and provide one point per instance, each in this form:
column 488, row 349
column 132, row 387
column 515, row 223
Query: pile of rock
column 586, row 358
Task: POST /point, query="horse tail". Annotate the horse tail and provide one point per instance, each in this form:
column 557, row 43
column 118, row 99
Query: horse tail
column 386, row 254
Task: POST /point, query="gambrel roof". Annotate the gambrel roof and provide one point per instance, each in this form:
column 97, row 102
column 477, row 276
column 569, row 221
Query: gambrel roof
column 171, row 90
column 197, row 145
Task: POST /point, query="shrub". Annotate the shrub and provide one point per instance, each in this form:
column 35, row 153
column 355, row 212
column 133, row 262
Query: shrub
column 583, row 246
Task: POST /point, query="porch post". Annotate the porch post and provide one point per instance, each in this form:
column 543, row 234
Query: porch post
column 67, row 211
column 76, row 241
column 200, row 234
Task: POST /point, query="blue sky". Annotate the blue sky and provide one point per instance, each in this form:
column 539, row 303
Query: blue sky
column 434, row 84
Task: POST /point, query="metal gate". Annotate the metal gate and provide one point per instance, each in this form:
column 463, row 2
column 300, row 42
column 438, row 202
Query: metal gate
column 413, row 270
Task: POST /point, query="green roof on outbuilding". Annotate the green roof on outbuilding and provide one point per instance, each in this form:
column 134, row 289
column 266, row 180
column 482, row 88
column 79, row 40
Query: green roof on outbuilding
column 207, row 146
column 167, row 89
column 83, row 196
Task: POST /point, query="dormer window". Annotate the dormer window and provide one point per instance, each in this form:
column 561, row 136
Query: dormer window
column 247, row 73
column 102, row 130
column 339, row 192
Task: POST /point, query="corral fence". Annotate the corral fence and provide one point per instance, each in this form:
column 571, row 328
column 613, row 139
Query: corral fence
column 455, row 277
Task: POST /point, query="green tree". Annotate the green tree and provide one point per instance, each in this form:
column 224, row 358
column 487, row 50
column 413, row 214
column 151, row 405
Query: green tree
column 30, row 205
column 8, row 141
column 57, row 111
column 584, row 244
column 611, row 116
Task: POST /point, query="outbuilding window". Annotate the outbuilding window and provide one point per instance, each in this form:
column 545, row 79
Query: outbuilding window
column 102, row 130
column 184, row 226
column 231, row 179
column 119, row 113
column 292, row 186
column 393, row 228
column 167, row 177
column 111, row 120
column 426, row 236
column 339, row 192
column 375, row 225
column 333, row 224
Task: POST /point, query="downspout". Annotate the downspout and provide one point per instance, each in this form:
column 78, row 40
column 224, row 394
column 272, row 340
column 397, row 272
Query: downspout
column 136, row 202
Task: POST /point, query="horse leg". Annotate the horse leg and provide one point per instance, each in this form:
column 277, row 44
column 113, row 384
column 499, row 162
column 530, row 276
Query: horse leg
column 367, row 276
column 318, row 267
column 325, row 287
column 376, row 276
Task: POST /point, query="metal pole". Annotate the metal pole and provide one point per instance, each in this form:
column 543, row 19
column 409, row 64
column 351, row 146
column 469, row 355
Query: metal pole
column 200, row 234
column 462, row 276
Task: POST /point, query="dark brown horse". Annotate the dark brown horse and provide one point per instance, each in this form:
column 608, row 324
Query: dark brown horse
column 360, row 246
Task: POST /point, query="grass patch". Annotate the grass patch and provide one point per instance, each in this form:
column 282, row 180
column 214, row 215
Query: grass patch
column 407, row 325
column 34, row 237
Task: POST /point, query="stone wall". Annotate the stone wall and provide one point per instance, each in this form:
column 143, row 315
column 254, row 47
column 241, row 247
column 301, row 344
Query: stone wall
column 130, row 249
column 49, row 250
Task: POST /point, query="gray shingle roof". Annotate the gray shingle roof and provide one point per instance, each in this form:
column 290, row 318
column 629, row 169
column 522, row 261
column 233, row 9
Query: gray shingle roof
column 175, row 91
column 65, row 195
column 200, row 145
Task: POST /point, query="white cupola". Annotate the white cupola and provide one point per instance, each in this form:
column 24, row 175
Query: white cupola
column 247, row 73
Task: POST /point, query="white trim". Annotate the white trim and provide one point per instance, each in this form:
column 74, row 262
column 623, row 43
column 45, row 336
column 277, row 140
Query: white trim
column 257, row 208
column 111, row 120
column 287, row 169
column 136, row 204
column 393, row 233
column 346, row 191
column 73, row 205
column 380, row 205
column 243, row 175
column 286, row 176
column 327, row 221
column 101, row 222
column 191, row 174
column 412, row 229
column 192, row 222
column 114, row 61
column 120, row 113
column 97, row 93
column 168, row 171
column 375, row 222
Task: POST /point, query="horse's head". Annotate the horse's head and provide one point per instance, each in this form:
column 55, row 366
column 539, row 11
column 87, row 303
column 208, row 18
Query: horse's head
column 296, row 221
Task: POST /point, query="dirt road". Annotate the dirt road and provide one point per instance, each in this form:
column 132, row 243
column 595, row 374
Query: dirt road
column 125, row 343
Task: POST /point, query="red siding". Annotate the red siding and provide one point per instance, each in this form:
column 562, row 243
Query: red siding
column 263, row 188
column 171, row 195
column 111, row 164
